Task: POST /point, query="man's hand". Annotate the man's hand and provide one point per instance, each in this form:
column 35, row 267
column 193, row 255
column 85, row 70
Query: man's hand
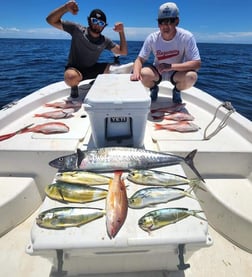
column 72, row 7
column 118, row 27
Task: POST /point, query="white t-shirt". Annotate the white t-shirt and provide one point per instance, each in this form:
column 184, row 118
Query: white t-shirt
column 180, row 49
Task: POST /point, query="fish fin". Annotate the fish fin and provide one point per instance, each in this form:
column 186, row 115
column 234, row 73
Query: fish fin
column 194, row 183
column 62, row 196
column 188, row 194
column 195, row 213
column 80, row 157
column 189, row 161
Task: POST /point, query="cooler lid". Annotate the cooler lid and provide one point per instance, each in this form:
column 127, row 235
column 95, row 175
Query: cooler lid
column 117, row 90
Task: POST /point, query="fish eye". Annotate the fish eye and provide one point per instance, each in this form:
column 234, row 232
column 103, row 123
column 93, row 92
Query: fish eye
column 148, row 222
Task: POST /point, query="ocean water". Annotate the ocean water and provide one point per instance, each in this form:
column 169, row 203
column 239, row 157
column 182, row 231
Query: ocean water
column 29, row 64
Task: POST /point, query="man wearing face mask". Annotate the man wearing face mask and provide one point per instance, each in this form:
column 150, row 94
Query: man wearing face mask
column 87, row 44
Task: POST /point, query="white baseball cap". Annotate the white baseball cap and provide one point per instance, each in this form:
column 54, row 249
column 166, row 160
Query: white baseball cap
column 168, row 10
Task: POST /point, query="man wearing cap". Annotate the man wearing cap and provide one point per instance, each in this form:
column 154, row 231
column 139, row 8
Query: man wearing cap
column 87, row 44
column 176, row 55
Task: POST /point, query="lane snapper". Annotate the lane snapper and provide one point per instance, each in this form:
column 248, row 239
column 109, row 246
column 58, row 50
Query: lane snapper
column 169, row 109
column 181, row 126
column 116, row 205
column 162, row 217
column 47, row 128
column 151, row 196
column 177, row 116
column 110, row 159
column 57, row 114
column 64, row 217
column 65, row 104
column 82, row 177
column 74, row 193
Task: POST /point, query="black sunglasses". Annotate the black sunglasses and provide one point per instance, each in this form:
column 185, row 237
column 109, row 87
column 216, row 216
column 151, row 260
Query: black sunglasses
column 166, row 21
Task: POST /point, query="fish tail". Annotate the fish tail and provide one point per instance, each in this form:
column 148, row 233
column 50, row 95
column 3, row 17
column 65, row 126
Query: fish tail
column 158, row 126
column 26, row 130
column 189, row 161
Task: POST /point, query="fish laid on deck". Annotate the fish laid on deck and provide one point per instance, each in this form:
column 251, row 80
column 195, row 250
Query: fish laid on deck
column 169, row 109
column 65, row 104
column 116, row 205
column 162, row 217
column 82, row 177
column 57, row 114
column 64, row 217
column 48, row 128
column 74, row 193
column 177, row 116
column 181, row 126
column 157, row 178
column 110, row 159
column 151, row 196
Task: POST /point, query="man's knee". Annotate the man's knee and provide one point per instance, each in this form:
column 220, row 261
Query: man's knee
column 149, row 77
column 191, row 77
column 72, row 77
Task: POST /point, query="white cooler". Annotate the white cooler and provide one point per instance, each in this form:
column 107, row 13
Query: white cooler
column 118, row 110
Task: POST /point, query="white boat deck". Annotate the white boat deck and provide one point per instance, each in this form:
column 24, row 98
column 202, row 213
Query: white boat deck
column 232, row 170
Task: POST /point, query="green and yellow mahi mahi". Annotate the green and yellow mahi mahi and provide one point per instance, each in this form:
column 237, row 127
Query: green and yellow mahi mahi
column 83, row 177
column 64, row 217
column 74, row 193
column 162, row 217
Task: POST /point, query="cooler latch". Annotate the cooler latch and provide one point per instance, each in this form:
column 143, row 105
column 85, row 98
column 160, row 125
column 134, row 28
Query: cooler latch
column 60, row 272
column 118, row 128
column 182, row 265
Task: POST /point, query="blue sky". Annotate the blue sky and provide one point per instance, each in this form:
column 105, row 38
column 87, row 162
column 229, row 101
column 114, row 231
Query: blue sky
column 209, row 20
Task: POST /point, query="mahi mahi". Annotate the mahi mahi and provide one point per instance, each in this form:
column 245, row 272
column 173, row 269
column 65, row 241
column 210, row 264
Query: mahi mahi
column 110, row 159
column 82, row 177
column 64, row 217
column 151, row 196
column 74, row 193
column 162, row 217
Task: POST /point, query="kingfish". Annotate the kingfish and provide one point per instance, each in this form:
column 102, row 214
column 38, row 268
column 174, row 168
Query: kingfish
column 162, row 217
column 111, row 159
column 82, row 177
column 64, row 217
column 116, row 205
column 74, row 193
column 150, row 196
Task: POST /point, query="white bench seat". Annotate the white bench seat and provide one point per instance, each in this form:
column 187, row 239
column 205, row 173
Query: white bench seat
column 19, row 198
